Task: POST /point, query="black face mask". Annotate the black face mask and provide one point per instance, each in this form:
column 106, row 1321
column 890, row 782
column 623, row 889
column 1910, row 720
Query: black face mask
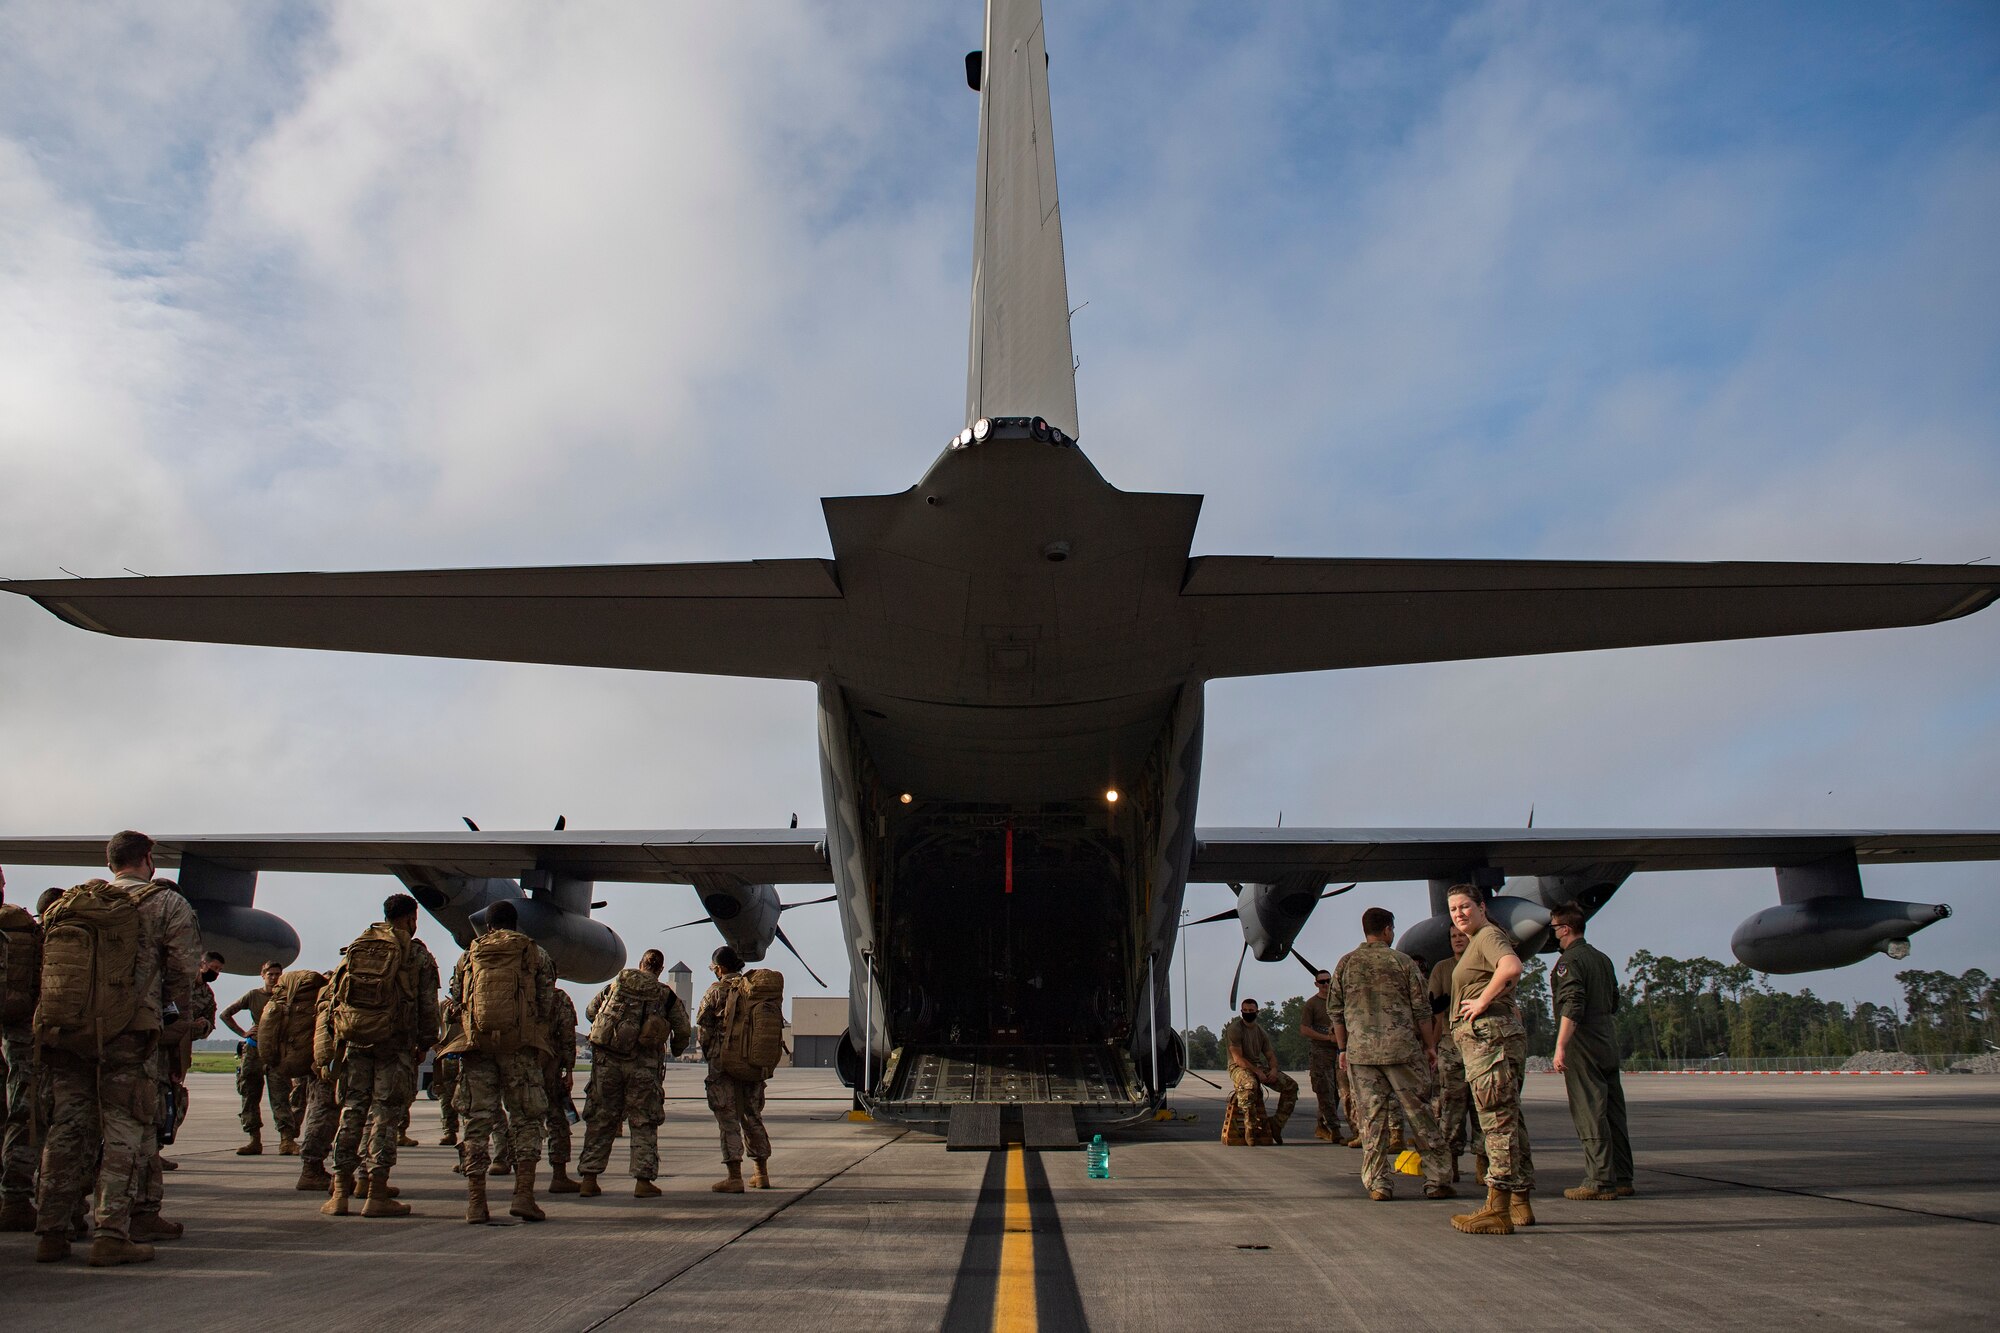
column 1250, row 1016
column 207, row 975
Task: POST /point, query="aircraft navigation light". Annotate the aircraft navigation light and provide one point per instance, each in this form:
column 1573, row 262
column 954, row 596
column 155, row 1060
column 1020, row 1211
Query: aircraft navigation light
column 907, row 798
column 1039, row 429
column 1111, row 796
column 981, row 429
column 963, row 438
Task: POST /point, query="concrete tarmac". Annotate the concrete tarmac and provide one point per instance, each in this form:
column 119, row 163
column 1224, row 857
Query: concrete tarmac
column 1764, row 1202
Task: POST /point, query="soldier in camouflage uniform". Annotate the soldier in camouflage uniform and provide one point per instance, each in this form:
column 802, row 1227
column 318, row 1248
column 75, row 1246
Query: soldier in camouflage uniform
column 444, row 1078
column 202, row 1025
column 557, row 1083
column 1317, row 1028
column 169, row 1065
column 1486, row 1023
column 19, row 1139
column 738, row 1104
column 102, row 1120
column 1453, row 1100
column 254, row 1083
column 373, row 1082
column 1381, row 1018
column 316, row 1105
column 632, row 1021
column 1253, row 1061
column 516, row 1079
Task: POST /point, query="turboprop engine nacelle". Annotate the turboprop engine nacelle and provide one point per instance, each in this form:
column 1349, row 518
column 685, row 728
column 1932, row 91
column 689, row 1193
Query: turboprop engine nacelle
column 746, row 914
column 247, row 937
column 554, row 910
column 1830, row 932
column 1272, row 915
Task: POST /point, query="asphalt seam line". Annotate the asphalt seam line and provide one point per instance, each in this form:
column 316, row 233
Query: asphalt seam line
column 1830, row 1198
column 710, row 1253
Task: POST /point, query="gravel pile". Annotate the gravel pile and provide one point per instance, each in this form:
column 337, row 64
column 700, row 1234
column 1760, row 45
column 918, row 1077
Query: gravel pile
column 1979, row 1064
column 1872, row 1062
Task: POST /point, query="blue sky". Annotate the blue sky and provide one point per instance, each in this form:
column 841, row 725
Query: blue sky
column 368, row 285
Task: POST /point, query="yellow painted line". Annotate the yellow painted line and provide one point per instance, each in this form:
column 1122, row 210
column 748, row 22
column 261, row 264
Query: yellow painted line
column 1014, row 1298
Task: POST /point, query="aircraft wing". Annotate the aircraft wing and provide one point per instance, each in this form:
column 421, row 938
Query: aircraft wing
column 1268, row 616
column 646, row 856
column 755, row 618
column 1236, row 856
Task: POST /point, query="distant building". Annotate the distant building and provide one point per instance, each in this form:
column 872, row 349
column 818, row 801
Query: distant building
column 681, row 978
column 817, row 1025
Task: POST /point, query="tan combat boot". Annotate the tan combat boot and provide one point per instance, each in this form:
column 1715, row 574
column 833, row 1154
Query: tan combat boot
column 313, row 1178
column 403, row 1140
column 1490, row 1220
column 1589, row 1194
column 169, row 1164
column 52, row 1247
column 761, row 1178
column 560, row 1181
column 287, row 1146
column 254, row 1148
column 502, row 1166
column 587, row 1187
column 151, row 1226
column 1518, row 1211
column 450, row 1139
column 343, row 1190
column 731, row 1183
column 645, row 1189
column 475, row 1200
column 17, row 1216
column 1439, row 1191
column 111, row 1251
column 381, row 1197
column 524, row 1205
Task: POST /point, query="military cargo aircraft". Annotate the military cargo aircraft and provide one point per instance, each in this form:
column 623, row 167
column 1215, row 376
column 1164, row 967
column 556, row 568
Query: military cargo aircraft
column 1010, row 658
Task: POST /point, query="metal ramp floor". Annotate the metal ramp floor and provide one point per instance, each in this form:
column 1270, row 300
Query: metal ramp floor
column 1045, row 1092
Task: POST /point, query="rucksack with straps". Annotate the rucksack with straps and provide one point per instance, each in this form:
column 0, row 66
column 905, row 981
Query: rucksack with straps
column 90, row 963
column 621, row 1019
column 285, row 1032
column 499, row 993
column 375, row 984
column 752, row 1040
column 24, row 964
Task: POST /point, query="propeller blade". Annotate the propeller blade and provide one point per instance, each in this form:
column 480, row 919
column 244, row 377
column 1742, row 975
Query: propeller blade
column 1335, row 893
column 698, row 921
column 1229, row 915
column 469, row 824
column 1239, row 973
column 1531, row 816
column 782, row 939
column 810, row 902
column 562, row 822
column 1304, row 962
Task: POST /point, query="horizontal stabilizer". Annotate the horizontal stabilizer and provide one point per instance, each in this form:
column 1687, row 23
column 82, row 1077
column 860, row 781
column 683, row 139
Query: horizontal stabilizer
column 1224, row 856
column 1264, row 616
column 762, row 618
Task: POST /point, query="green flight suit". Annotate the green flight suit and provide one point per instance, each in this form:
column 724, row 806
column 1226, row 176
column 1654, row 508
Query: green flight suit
column 1586, row 993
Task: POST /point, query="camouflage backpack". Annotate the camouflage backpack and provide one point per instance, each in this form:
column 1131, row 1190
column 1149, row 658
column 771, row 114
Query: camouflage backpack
column 285, row 1032
column 375, row 985
column 499, row 993
column 621, row 1018
column 753, row 1026
column 24, row 964
column 90, row 963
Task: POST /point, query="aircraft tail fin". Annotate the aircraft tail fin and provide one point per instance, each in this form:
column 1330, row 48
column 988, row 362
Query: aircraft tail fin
column 1020, row 361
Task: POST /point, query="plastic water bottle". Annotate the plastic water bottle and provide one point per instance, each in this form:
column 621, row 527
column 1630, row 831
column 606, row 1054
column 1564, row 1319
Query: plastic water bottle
column 1097, row 1159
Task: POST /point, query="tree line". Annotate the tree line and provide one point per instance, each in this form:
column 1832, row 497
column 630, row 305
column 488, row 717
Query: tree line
column 1699, row 1009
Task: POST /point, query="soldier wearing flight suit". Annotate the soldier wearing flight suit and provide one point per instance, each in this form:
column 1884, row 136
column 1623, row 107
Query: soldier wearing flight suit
column 1254, row 1061
column 1381, row 1018
column 1486, row 1023
column 1586, row 996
